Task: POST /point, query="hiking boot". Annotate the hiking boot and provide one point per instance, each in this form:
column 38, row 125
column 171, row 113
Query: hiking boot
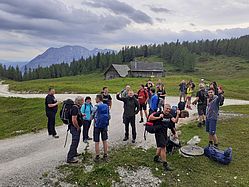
column 85, row 141
column 216, row 145
column 77, row 154
column 141, row 121
column 199, row 124
column 166, row 167
column 204, row 123
column 125, row 139
column 105, row 157
column 156, row 159
column 133, row 141
column 97, row 158
column 55, row 136
column 73, row 161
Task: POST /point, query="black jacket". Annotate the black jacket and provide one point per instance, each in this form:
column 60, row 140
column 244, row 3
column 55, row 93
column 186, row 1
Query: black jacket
column 131, row 105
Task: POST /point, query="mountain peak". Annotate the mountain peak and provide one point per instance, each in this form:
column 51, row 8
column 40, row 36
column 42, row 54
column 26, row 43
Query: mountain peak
column 64, row 54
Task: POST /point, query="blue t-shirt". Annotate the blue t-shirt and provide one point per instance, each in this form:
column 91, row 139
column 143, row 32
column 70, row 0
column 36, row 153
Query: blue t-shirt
column 154, row 102
column 87, row 110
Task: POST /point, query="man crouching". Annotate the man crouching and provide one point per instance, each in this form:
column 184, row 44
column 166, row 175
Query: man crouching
column 163, row 120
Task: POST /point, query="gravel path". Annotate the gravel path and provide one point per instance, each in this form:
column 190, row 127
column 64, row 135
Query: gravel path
column 25, row 158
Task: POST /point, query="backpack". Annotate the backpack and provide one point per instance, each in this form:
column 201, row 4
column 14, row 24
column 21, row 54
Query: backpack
column 181, row 105
column 171, row 146
column 65, row 113
column 173, row 111
column 222, row 100
column 102, row 116
column 223, row 157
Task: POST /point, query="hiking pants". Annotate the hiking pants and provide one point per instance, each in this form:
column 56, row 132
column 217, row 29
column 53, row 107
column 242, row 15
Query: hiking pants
column 51, row 123
column 75, row 142
column 86, row 126
column 127, row 121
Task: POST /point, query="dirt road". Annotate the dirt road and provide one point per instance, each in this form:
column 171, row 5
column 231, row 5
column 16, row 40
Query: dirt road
column 25, row 158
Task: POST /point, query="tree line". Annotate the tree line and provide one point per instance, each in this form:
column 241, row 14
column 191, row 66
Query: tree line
column 180, row 54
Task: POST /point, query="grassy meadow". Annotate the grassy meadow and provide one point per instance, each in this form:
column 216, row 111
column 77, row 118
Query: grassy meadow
column 230, row 72
column 19, row 116
column 198, row 171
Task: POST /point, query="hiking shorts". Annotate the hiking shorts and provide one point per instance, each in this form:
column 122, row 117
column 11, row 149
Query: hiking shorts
column 201, row 110
column 211, row 126
column 182, row 94
column 161, row 139
column 97, row 132
column 142, row 106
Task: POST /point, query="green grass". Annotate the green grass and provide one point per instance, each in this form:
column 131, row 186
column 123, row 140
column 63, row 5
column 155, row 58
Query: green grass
column 23, row 115
column 92, row 83
column 198, row 171
column 230, row 72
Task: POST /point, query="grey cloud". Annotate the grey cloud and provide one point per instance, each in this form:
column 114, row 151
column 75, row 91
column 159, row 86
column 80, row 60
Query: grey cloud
column 159, row 36
column 118, row 7
column 160, row 9
column 54, row 20
column 161, row 19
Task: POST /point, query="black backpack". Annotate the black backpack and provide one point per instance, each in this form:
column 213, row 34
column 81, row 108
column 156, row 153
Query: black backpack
column 65, row 113
column 222, row 100
column 181, row 105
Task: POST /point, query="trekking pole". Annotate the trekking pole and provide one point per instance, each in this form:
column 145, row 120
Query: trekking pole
column 66, row 140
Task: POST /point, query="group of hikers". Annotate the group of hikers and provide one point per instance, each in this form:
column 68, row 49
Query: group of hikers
column 82, row 112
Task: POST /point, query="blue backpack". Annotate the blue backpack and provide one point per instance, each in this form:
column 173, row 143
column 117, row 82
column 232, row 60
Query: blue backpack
column 102, row 116
column 223, row 157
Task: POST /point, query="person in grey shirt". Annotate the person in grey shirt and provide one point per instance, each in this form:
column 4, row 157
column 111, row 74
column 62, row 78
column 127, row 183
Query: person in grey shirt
column 212, row 113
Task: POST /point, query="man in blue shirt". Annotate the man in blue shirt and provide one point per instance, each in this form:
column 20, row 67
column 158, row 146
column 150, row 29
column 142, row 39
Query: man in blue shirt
column 153, row 101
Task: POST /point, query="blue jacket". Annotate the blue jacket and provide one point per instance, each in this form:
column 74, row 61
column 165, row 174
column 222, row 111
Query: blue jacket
column 154, row 102
column 87, row 110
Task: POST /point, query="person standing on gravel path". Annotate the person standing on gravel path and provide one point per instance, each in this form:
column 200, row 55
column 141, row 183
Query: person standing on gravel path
column 101, row 117
column 143, row 98
column 107, row 99
column 75, row 123
column 201, row 101
column 51, row 106
column 131, row 108
column 86, row 111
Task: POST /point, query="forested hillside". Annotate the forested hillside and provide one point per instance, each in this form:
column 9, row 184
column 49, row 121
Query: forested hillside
column 180, row 54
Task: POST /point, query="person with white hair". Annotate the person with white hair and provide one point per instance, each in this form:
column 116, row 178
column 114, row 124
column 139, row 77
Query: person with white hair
column 75, row 123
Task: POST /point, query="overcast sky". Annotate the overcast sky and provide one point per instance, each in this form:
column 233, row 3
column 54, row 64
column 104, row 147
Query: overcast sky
column 29, row 27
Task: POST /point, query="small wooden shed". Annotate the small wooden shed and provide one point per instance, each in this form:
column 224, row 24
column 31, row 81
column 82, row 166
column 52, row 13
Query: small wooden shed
column 116, row 71
column 146, row 69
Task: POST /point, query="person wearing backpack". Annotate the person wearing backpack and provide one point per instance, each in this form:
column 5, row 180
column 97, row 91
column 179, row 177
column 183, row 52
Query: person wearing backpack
column 86, row 111
column 143, row 98
column 212, row 113
column 201, row 101
column 51, row 106
column 153, row 101
column 101, row 116
column 131, row 108
column 163, row 120
column 75, row 123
